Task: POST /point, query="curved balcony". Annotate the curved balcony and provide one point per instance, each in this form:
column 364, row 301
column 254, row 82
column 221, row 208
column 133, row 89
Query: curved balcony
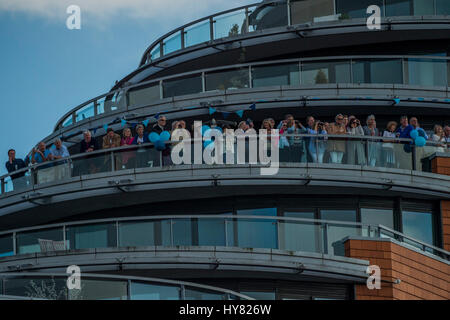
column 412, row 79
column 273, row 14
column 53, row 286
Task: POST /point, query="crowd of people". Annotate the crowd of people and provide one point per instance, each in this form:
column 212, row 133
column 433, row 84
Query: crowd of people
column 307, row 149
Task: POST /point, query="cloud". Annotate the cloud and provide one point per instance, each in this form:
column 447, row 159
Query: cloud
column 104, row 10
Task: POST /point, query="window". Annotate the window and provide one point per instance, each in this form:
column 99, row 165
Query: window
column 409, row 7
column 211, row 232
column 103, row 290
column 427, row 72
column 278, row 75
column 384, row 217
column 418, row 225
column 142, row 291
column 144, row 95
column 183, row 86
column 28, row 242
column 227, row 80
column 196, row 294
column 351, row 9
column 325, row 72
column 135, row 234
column 92, row 236
column 299, row 236
column 443, row 7
column 6, row 246
column 337, row 232
column 311, row 10
column 378, row 71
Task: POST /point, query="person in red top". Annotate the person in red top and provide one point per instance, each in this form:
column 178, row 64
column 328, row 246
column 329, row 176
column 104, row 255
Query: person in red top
column 127, row 156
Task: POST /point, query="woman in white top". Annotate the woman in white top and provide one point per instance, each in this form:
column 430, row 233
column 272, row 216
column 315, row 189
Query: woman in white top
column 438, row 136
column 388, row 147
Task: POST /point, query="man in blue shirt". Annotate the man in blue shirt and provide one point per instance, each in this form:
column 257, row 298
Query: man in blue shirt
column 415, row 123
column 59, row 151
column 40, row 154
column 14, row 164
column 404, row 129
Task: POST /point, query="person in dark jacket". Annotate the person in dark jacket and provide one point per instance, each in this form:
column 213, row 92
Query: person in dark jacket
column 159, row 127
column 13, row 164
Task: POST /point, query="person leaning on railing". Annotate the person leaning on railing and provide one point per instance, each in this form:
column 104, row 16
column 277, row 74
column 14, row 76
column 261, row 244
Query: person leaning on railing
column 58, row 152
column 447, row 134
column 403, row 155
column 388, row 146
column 87, row 145
column 159, row 127
column 317, row 146
column 370, row 129
column 41, row 155
column 337, row 147
column 110, row 141
column 127, row 157
column 355, row 147
column 14, row 164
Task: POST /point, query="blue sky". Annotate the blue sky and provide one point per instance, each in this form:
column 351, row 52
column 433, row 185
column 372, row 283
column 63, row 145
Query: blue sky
column 46, row 69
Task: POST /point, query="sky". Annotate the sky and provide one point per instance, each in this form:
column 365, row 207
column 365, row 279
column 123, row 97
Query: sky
column 47, row 69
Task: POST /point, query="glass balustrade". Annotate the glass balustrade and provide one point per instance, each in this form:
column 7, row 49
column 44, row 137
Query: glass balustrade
column 40, row 241
column 198, row 33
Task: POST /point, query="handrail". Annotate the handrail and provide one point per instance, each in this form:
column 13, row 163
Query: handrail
column 126, row 278
column 146, row 145
column 201, row 73
column 116, row 221
column 344, row 137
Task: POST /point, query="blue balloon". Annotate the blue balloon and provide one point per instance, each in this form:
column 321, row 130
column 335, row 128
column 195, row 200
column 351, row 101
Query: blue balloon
column 414, row 134
column 420, row 141
column 160, row 145
column 204, row 129
column 164, row 136
column 153, row 137
column 421, row 133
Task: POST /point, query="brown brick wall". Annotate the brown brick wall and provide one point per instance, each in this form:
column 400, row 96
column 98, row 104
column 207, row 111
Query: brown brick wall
column 445, row 207
column 422, row 277
column 441, row 166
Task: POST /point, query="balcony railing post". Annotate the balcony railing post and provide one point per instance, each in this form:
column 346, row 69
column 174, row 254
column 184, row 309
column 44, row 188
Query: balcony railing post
column 413, row 153
column 182, row 33
column 2, row 186
column 325, row 238
column 14, row 243
column 211, row 28
column 226, row 232
column 288, row 9
column 182, row 292
column 64, row 237
column 113, row 162
column 247, row 21
column 117, row 234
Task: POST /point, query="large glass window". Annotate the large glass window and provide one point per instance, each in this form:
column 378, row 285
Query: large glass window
column 427, row 72
column 41, row 288
column 337, row 232
column 418, row 225
column 92, row 236
column 255, row 233
column 211, row 232
column 226, row 80
column 144, row 95
column 351, row 9
column 443, row 7
column 378, row 71
column 409, row 7
column 277, row 75
column 303, row 11
column 325, row 72
column 40, row 241
column 143, row 291
column 6, row 246
column 183, row 86
column 299, row 236
column 373, row 216
column 103, row 290
column 182, row 232
column 135, row 234
column 196, row 294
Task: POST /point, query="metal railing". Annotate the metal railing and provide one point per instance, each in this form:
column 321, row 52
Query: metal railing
column 268, row 15
column 293, row 148
column 52, row 286
column 242, row 231
column 424, row 71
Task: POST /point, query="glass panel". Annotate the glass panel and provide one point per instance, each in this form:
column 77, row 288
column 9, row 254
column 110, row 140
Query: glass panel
column 91, row 164
column 85, row 112
column 136, row 234
column 269, row 16
column 427, row 72
column 259, row 295
column 182, row 232
column 112, row 102
column 211, row 232
column 19, row 182
column 375, row 217
column 224, row 80
column 255, row 233
column 50, row 288
column 338, row 232
column 40, row 241
column 398, row 155
column 300, row 236
column 142, row 291
column 156, row 52
column 101, row 105
column 102, row 290
column 356, row 152
column 418, row 225
column 443, row 7
column 325, row 72
column 179, row 87
column 278, row 75
column 54, row 171
column 196, row 34
column 144, row 95
column 312, row 10
column 142, row 157
column 173, row 43
column 6, row 246
column 378, row 71
column 423, row 154
column 68, row 121
column 409, row 7
column 229, row 24
column 350, row 9
column 91, row 236
column 196, row 294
